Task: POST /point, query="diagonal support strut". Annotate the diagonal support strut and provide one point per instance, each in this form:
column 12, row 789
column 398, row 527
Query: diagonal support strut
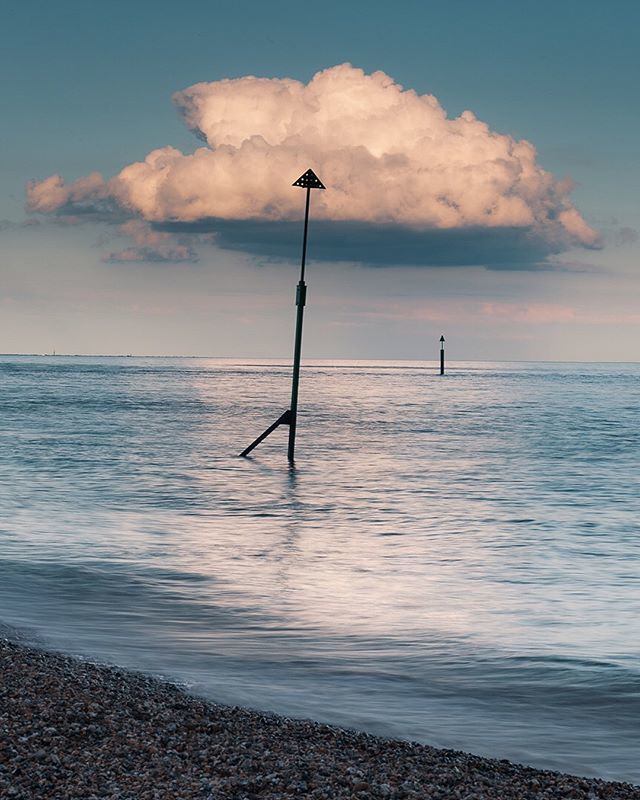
column 284, row 419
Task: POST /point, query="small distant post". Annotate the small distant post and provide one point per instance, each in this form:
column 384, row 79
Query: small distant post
column 442, row 355
column 307, row 181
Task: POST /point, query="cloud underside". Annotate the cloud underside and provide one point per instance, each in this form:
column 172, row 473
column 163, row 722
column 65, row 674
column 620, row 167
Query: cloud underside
column 378, row 245
column 405, row 184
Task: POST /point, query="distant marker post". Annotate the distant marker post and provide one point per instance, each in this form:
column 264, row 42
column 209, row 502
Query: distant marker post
column 442, row 355
column 307, row 181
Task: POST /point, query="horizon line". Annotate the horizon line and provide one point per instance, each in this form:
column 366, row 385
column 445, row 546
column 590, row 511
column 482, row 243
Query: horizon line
column 319, row 358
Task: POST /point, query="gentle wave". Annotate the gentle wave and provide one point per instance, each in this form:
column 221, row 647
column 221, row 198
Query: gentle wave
column 451, row 560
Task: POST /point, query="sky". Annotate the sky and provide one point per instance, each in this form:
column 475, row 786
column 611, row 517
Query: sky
column 481, row 165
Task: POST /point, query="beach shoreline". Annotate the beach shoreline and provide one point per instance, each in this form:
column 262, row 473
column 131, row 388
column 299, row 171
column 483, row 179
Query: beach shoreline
column 76, row 729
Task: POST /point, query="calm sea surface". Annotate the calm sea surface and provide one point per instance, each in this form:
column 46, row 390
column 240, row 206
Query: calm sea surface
column 452, row 560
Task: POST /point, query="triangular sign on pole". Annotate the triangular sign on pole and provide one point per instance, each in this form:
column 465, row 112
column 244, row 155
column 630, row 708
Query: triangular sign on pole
column 309, row 181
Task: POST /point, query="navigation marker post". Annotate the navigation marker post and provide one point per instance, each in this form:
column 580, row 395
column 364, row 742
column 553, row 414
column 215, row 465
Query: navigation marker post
column 307, row 181
column 442, row 355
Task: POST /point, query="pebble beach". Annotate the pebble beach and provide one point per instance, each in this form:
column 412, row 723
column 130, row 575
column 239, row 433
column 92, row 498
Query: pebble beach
column 73, row 730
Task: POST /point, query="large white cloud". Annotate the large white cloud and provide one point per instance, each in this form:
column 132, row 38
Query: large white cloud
column 387, row 156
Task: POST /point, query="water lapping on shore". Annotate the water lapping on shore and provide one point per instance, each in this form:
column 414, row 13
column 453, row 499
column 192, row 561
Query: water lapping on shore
column 452, row 560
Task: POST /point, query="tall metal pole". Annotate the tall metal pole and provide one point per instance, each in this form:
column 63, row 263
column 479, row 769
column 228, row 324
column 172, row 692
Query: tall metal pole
column 301, row 298
column 307, row 181
column 442, row 355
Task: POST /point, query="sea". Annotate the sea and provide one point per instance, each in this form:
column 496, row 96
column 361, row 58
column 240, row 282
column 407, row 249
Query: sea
column 453, row 560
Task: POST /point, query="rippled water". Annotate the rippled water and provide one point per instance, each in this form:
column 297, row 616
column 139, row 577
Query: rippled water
column 453, row 560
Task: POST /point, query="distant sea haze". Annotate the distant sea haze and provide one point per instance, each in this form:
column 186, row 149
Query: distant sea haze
column 452, row 559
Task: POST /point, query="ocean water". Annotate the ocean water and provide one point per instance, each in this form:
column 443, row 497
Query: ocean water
column 452, row 560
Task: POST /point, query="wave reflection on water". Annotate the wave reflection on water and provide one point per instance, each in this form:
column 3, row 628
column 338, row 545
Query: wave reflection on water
column 451, row 560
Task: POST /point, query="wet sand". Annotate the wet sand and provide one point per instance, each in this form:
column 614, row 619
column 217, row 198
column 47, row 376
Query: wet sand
column 72, row 730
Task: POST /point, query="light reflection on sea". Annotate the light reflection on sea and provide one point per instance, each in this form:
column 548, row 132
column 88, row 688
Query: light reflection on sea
column 453, row 560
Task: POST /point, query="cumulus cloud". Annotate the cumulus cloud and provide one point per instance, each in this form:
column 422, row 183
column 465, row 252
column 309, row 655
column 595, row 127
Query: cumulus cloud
column 391, row 160
column 88, row 195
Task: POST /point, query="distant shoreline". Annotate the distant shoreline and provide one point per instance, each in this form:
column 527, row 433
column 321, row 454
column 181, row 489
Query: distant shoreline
column 328, row 360
column 81, row 730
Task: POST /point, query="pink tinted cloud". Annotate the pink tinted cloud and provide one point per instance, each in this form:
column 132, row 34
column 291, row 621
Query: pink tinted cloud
column 534, row 313
column 389, row 155
column 150, row 245
column 529, row 312
column 53, row 193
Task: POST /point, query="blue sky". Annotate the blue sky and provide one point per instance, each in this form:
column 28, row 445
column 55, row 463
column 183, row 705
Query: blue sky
column 88, row 87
